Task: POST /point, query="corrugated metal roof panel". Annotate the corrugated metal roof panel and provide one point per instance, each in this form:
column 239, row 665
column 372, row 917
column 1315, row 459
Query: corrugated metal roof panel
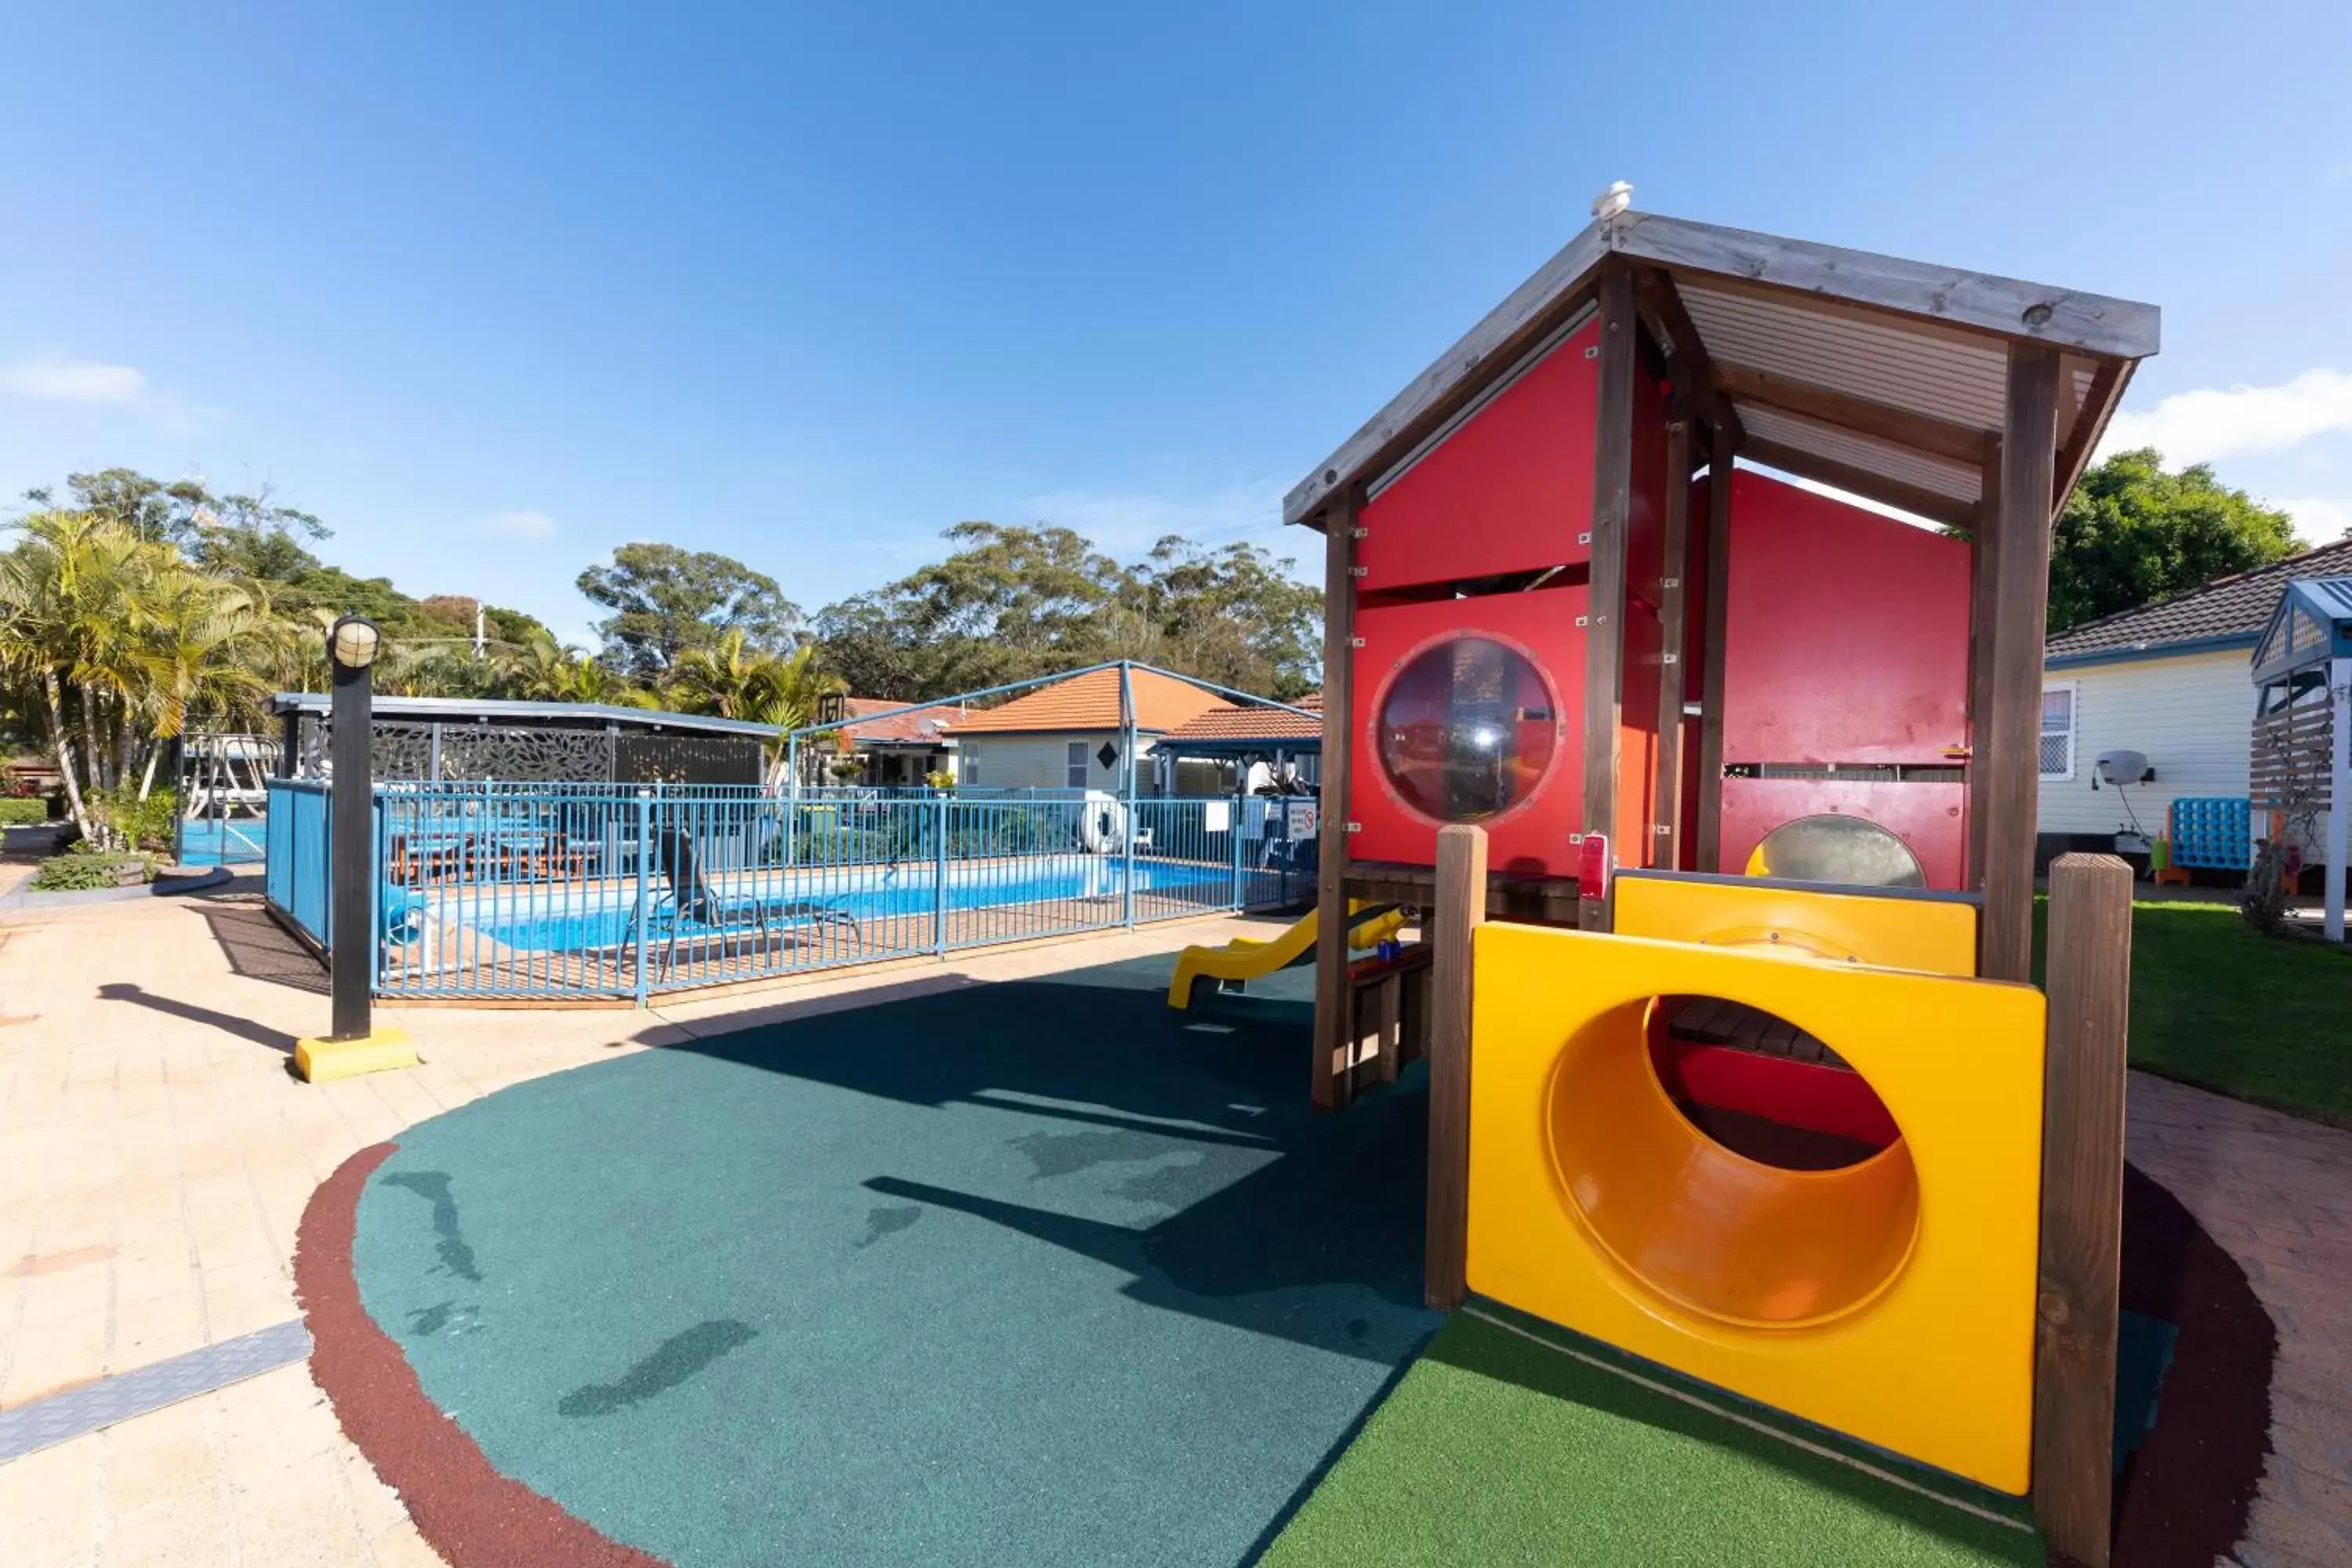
column 1922, row 368
column 1864, row 452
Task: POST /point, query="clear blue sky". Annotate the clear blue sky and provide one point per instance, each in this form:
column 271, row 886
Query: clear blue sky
column 493, row 288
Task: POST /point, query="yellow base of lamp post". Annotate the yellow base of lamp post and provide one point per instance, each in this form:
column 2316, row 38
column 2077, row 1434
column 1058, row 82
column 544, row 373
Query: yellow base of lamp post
column 323, row 1061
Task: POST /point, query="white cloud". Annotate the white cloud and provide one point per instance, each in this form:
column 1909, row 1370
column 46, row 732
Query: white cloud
column 73, row 381
column 531, row 526
column 2198, row 427
column 2317, row 519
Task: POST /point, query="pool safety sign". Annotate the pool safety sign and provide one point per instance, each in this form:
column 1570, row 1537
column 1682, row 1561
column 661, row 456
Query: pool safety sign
column 1300, row 823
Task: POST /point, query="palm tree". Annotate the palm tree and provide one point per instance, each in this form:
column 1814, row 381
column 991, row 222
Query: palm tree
column 722, row 679
column 77, row 597
column 207, row 653
column 544, row 670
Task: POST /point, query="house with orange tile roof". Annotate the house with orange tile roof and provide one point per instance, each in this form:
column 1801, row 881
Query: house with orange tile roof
column 1266, row 749
column 1069, row 734
column 886, row 745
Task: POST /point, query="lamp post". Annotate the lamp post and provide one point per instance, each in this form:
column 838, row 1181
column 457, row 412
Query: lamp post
column 352, row 646
column 353, row 1044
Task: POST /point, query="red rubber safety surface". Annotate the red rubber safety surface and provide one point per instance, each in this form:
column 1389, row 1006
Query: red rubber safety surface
column 465, row 1510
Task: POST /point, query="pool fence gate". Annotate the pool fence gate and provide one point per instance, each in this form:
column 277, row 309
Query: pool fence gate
column 571, row 892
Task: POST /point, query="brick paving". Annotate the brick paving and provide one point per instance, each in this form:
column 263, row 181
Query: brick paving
column 2276, row 1193
column 155, row 1160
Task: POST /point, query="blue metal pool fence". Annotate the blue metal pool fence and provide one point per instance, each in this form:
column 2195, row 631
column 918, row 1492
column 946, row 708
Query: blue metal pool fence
column 601, row 890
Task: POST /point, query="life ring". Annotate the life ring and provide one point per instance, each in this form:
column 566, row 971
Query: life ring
column 1102, row 825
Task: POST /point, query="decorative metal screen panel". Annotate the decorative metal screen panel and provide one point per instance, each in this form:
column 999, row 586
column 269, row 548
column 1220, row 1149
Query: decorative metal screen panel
column 456, row 750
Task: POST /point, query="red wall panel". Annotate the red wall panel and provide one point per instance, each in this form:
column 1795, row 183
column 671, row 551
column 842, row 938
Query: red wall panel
column 1927, row 816
column 1531, row 836
column 1847, row 633
column 1510, row 491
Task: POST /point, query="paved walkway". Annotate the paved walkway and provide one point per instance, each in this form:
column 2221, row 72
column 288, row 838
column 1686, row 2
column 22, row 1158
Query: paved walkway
column 155, row 1160
column 2276, row 1193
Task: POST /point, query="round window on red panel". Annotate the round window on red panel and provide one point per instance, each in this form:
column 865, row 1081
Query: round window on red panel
column 1466, row 730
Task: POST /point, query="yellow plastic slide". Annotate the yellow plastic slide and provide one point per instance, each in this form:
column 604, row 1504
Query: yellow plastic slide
column 1245, row 958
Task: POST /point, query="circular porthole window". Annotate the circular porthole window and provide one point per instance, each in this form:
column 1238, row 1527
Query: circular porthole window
column 1467, row 729
column 1837, row 849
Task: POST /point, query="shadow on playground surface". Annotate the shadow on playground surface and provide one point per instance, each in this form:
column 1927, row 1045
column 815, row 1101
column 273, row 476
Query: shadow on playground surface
column 1040, row 1271
column 1036, row 1271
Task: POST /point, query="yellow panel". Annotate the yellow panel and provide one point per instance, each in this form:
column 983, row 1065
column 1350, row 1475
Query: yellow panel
column 1937, row 935
column 1891, row 1300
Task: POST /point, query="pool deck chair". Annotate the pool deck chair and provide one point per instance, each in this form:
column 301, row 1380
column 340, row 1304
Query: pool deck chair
column 720, row 913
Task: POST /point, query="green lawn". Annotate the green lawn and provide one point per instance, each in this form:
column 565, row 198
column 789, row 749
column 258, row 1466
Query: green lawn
column 2259, row 1018
column 1495, row 1450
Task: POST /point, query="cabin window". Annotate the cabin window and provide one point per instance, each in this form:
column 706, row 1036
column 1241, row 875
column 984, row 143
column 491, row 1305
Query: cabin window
column 2058, row 731
column 1074, row 765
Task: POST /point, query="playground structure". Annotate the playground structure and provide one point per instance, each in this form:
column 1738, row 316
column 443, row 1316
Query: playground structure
column 1760, row 1090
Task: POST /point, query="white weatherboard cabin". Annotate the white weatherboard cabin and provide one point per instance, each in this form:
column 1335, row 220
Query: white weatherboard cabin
column 2170, row 679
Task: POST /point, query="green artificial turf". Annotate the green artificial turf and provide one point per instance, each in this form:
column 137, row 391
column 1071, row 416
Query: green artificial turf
column 1496, row 1449
column 2216, row 1004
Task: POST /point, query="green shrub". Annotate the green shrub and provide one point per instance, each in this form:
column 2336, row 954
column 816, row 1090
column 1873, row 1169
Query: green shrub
column 142, row 823
column 78, row 871
column 23, row 811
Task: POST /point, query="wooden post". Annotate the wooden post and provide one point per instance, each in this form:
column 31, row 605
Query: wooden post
column 1709, row 829
column 1604, row 641
column 2082, row 1202
column 1329, row 1081
column 2011, row 778
column 1460, row 909
column 1984, row 573
column 1665, row 839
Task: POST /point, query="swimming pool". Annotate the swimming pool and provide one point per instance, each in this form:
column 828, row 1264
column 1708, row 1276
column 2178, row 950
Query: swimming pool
column 524, row 923
column 236, row 842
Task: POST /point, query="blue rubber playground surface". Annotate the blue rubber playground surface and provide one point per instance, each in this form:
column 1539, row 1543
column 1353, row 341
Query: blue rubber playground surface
column 1035, row 1272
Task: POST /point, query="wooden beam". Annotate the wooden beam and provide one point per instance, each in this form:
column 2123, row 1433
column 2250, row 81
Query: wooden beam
column 1935, row 506
column 1984, row 573
column 1665, row 849
column 1485, row 351
column 1689, row 366
column 1709, row 829
column 1604, row 640
column 1460, row 908
column 2010, row 307
column 2012, row 776
column 1918, row 432
column 2106, row 391
column 2089, row 988
column 1333, row 1049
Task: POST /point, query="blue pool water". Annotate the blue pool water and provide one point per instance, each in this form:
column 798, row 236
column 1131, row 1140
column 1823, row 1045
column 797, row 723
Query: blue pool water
column 208, row 843
column 863, row 894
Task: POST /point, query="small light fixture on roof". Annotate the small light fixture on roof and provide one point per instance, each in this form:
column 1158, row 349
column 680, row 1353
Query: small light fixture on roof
column 1612, row 201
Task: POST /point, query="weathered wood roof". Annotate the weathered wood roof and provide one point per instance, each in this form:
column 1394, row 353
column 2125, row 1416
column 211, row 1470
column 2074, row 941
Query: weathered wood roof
column 1871, row 372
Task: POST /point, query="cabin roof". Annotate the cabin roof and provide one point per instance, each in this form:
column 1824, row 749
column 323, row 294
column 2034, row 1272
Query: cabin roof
column 1873, row 373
